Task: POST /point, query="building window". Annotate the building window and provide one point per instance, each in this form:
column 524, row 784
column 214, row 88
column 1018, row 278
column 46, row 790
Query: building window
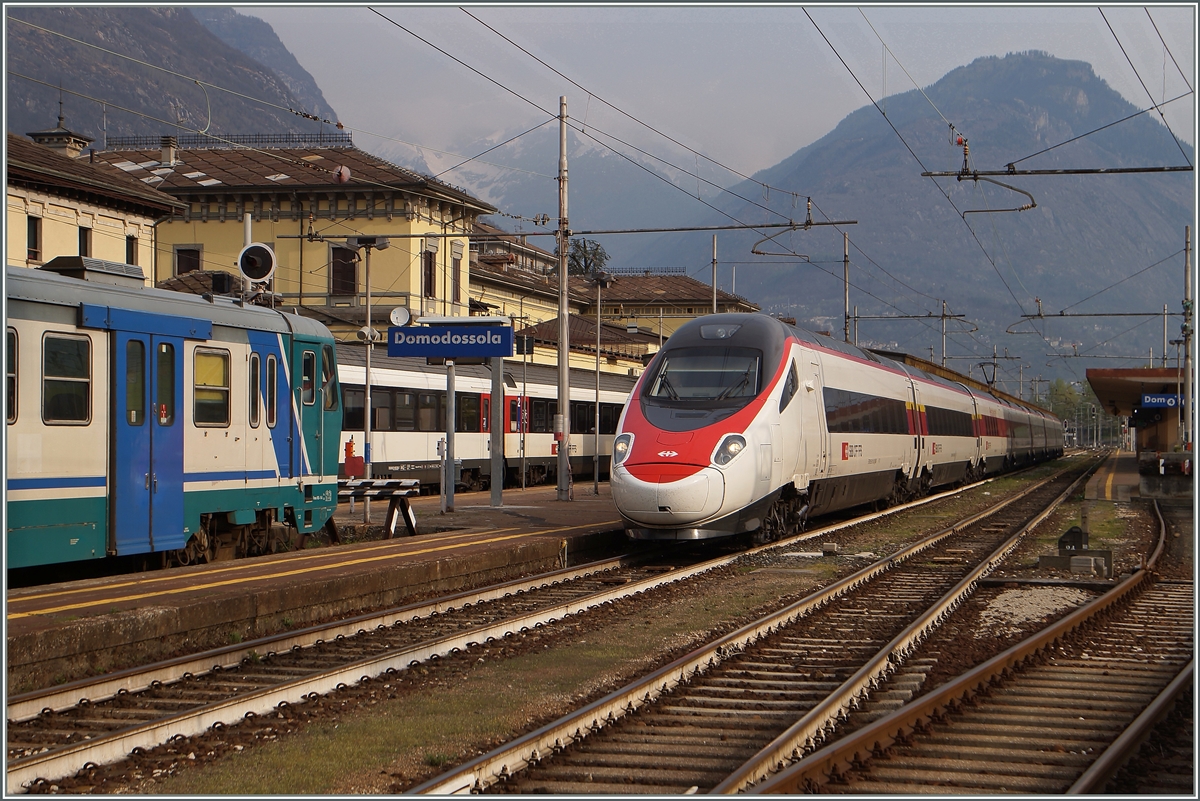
column 428, row 274
column 342, row 280
column 131, row 249
column 187, row 258
column 456, row 281
column 33, row 239
column 85, row 241
column 10, row 368
column 211, row 398
column 66, row 379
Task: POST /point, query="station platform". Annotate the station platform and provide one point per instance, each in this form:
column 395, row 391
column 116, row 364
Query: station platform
column 62, row 632
column 1116, row 480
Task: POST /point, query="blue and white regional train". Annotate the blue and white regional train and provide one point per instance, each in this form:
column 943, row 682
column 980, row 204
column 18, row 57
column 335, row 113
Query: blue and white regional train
column 742, row 423
column 147, row 422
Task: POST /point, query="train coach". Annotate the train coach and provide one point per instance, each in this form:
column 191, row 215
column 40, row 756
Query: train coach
column 744, row 424
column 408, row 400
column 148, row 423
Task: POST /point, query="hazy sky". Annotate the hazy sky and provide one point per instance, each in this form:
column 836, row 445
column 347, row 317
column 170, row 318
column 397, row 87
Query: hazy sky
column 747, row 86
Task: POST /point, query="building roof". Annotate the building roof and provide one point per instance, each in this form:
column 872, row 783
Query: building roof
column 614, row 339
column 1120, row 390
column 216, row 170
column 38, row 166
column 649, row 289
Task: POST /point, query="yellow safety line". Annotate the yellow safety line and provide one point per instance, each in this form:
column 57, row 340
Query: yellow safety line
column 298, row 572
column 239, row 567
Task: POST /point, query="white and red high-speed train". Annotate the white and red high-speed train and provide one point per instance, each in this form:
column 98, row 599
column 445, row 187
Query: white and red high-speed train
column 742, row 423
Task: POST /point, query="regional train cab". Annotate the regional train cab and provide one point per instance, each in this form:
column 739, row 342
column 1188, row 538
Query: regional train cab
column 143, row 422
column 743, row 424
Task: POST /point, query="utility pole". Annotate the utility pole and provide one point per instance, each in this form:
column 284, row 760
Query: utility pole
column 1164, row 350
column 944, row 334
column 714, row 266
column 856, row 326
column 1187, row 338
column 846, row 292
column 562, row 420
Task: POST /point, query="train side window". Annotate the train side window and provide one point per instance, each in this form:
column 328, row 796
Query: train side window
column 135, row 382
column 514, row 415
column 610, row 414
column 255, row 389
column 66, row 379
column 328, row 380
column 211, row 392
column 272, row 390
column 406, row 411
column 431, row 411
column 10, row 369
column 381, row 410
column 466, row 416
column 789, row 387
column 352, row 408
column 538, row 423
column 165, row 388
column 485, row 423
column 308, row 378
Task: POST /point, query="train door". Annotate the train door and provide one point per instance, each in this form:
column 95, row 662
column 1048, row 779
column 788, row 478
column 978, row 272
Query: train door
column 147, row 443
column 917, row 426
column 815, row 437
column 306, row 408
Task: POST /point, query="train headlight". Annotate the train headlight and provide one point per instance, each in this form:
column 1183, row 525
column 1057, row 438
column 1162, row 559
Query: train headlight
column 622, row 445
column 731, row 446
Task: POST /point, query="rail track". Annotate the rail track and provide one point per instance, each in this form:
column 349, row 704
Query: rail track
column 1059, row 712
column 56, row 732
column 690, row 726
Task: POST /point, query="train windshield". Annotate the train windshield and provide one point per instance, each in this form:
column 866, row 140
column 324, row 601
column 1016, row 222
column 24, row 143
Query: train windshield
column 709, row 374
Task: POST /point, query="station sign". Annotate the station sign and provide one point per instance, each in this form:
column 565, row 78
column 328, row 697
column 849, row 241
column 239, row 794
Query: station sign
column 1160, row 401
column 451, row 341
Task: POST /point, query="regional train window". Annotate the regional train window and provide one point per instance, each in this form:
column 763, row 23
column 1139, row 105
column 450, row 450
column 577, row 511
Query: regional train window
column 381, row 410
column 66, row 379
column 211, row 391
column 540, row 420
column 165, row 388
column 255, row 389
column 272, row 390
column 135, row 382
column 328, row 384
column 10, row 368
column 308, row 378
column 352, row 403
column 467, row 415
column 406, row 411
column 431, row 411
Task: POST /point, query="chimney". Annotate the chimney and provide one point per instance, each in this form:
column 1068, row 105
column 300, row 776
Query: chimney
column 169, row 145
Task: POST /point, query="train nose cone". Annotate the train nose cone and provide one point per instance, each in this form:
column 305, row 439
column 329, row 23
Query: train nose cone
column 664, row 499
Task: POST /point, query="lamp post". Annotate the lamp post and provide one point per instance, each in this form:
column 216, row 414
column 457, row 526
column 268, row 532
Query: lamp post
column 368, row 335
column 602, row 280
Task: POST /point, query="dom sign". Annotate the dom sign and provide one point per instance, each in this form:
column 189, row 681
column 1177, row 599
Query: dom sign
column 451, row 342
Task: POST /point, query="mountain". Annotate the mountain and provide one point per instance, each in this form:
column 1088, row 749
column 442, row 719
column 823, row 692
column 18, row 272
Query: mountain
column 105, row 94
column 916, row 241
column 257, row 39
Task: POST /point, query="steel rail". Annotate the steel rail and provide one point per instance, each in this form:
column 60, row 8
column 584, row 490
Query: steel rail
column 1127, row 744
column 819, row 722
column 813, row 770
column 530, row 748
column 26, row 706
column 63, row 761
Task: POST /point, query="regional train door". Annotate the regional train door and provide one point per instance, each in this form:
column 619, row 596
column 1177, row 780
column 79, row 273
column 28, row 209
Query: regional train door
column 147, row 443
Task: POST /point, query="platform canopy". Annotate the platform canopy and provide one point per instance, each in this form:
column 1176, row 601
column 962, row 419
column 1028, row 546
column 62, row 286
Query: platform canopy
column 1121, row 390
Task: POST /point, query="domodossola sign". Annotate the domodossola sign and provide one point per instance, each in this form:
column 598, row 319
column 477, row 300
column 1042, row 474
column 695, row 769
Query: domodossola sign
column 450, row 341
column 1159, row 401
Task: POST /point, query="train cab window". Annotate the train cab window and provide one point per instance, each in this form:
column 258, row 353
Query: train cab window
column 790, row 385
column 211, row 392
column 707, row 374
column 255, row 389
column 272, row 390
column 66, row 379
column 328, row 382
column 10, row 369
column 135, row 382
column 308, row 378
column 165, row 386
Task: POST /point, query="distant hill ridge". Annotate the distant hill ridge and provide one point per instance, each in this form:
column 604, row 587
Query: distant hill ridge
column 168, row 37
